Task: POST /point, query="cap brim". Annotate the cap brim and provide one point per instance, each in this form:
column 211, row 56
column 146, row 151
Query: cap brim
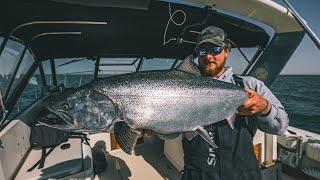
column 213, row 41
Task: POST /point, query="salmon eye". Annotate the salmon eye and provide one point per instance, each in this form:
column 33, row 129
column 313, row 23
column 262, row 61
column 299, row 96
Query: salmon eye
column 66, row 106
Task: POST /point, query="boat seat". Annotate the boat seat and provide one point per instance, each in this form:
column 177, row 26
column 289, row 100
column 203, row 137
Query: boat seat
column 14, row 145
column 75, row 162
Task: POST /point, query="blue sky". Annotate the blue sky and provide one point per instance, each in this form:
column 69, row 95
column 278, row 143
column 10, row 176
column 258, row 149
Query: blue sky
column 306, row 59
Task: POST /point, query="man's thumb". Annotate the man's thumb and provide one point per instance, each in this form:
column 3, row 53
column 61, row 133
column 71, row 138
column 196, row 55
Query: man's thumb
column 250, row 91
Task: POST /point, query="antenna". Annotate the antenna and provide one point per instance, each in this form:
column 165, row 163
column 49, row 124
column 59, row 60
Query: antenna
column 304, row 25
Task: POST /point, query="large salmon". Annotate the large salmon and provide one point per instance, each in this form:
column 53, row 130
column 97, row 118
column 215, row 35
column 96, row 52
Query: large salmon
column 165, row 101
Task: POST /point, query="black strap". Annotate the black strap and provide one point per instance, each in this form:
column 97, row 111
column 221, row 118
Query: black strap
column 240, row 124
column 42, row 159
column 191, row 173
column 82, row 136
column 238, row 80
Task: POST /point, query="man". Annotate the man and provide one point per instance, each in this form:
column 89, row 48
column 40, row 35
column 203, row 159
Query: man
column 234, row 158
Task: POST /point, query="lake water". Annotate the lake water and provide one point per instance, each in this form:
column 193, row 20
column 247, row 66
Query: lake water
column 300, row 96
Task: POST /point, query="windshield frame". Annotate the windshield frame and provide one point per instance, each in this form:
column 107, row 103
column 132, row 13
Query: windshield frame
column 18, row 59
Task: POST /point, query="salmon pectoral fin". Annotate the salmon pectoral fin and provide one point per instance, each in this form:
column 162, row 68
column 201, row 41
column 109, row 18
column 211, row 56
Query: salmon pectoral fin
column 126, row 136
column 230, row 119
column 204, row 134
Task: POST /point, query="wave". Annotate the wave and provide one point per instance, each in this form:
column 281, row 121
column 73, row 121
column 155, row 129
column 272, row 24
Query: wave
column 299, row 97
column 305, row 121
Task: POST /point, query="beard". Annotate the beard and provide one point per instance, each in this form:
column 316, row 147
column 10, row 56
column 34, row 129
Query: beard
column 212, row 70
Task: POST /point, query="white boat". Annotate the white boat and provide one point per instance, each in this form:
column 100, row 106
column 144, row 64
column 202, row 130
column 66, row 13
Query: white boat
column 127, row 36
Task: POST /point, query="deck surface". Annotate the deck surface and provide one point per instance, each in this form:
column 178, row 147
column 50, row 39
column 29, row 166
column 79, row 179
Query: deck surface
column 148, row 162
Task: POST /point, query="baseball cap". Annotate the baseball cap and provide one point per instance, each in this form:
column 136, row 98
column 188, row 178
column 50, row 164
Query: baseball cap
column 212, row 35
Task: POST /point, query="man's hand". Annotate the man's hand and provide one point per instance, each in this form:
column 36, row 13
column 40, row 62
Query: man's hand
column 256, row 105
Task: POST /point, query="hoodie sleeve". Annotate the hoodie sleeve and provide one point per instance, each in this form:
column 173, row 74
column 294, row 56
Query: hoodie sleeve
column 276, row 122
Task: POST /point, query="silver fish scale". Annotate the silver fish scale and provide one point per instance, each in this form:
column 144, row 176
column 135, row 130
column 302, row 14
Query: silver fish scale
column 171, row 101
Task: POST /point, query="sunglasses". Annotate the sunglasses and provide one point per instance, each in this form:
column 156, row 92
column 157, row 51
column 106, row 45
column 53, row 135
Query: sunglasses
column 213, row 51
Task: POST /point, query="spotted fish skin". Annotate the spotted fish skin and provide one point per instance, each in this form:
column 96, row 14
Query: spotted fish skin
column 167, row 101
column 164, row 101
column 171, row 101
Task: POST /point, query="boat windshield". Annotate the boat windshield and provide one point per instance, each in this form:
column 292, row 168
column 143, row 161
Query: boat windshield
column 73, row 72
column 114, row 66
column 9, row 64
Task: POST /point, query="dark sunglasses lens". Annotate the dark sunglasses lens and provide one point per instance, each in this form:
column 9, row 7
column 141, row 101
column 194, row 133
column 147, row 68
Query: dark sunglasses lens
column 215, row 50
column 202, row 52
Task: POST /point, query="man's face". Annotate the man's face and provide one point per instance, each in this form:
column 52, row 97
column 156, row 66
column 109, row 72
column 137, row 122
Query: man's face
column 212, row 64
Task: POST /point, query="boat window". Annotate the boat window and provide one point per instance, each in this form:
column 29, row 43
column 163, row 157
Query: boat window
column 26, row 63
column 113, row 66
column 157, row 64
column 74, row 72
column 8, row 61
column 33, row 91
column 237, row 61
column 47, row 72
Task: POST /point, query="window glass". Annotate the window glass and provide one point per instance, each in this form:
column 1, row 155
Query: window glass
column 157, row 64
column 8, row 61
column 47, row 72
column 32, row 92
column 237, row 61
column 26, row 63
column 73, row 72
column 113, row 66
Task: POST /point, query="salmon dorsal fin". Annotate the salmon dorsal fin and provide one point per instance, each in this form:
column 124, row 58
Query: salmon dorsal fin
column 187, row 65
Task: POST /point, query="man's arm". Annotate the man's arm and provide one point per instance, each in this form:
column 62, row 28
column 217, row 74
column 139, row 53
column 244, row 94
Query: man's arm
column 273, row 120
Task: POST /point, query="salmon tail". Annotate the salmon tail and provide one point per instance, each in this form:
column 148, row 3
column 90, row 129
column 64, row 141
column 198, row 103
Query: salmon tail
column 204, row 134
column 126, row 136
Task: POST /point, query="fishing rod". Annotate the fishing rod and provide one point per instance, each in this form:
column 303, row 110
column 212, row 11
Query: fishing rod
column 304, row 25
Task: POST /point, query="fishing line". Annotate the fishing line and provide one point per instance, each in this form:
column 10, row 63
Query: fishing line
column 174, row 22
